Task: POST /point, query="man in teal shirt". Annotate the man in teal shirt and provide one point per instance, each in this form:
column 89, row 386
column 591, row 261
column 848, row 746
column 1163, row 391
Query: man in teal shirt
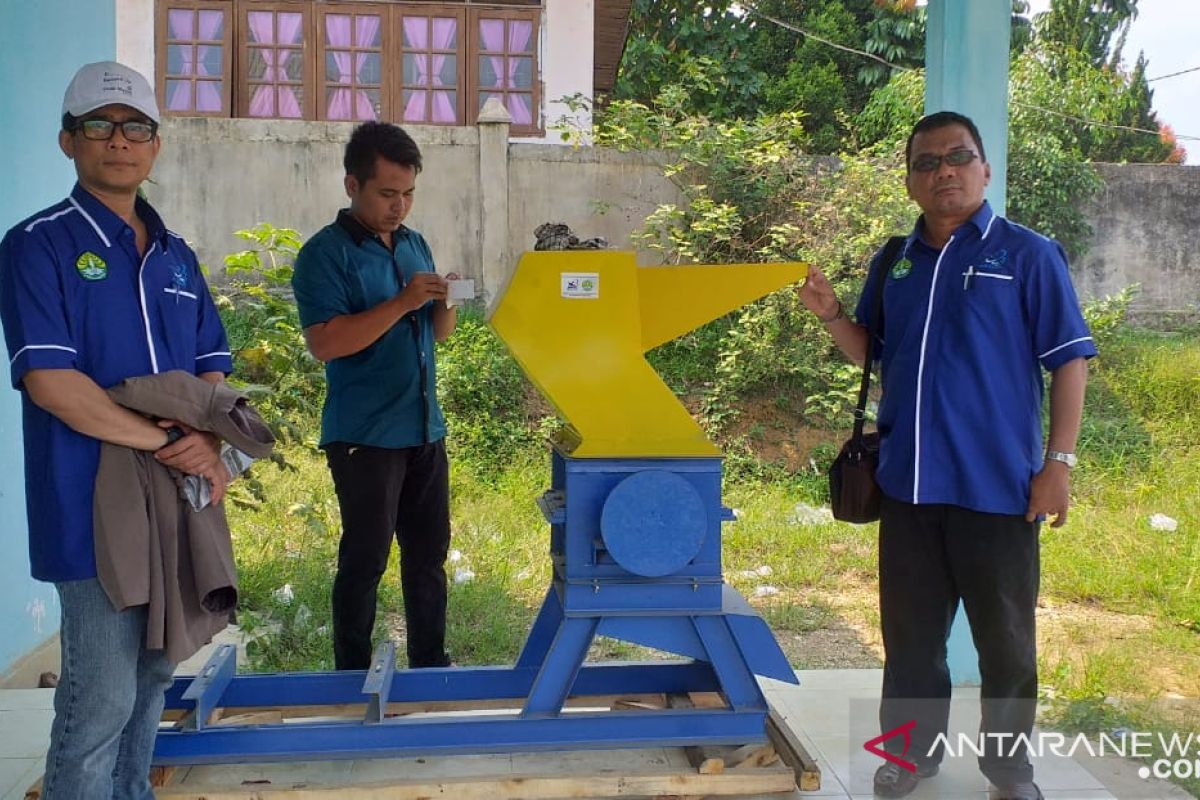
column 372, row 305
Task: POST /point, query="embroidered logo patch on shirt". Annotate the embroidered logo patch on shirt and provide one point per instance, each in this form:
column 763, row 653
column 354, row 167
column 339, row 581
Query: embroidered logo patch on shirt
column 91, row 267
column 902, row 269
column 996, row 261
column 179, row 276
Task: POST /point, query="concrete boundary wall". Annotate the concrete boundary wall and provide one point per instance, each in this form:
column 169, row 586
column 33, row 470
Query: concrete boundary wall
column 215, row 176
column 1146, row 230
column 479, row 207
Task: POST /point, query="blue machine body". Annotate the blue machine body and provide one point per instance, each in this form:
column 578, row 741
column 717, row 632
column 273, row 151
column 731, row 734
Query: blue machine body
column 636, row 551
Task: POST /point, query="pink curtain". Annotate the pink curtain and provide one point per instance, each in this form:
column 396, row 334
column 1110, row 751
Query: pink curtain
column 491, row 31
column 262, row 26
column 444, row 30
column 181, row 27
column 181, row 24
column 429, row 69
column 520, row 34
column 208, row 93
column 337, row 34
column 415, row 30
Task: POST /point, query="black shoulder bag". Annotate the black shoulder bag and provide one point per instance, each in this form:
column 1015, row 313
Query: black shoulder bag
column 853, row 493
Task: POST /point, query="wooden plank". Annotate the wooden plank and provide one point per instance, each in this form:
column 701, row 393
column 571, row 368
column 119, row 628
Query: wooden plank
column 161, row 776
column 752, row 756
column 707, row 700
column 791, row 750
column 527, row 787
column 271, row 717
column 707, row 759
column 350, row 710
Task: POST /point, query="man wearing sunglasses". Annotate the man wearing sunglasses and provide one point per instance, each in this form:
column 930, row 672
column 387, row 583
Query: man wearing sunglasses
column 94, row 290
column 973, row 311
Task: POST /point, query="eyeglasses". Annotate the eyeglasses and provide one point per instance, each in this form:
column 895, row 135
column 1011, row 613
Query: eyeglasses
column 101, row 130
column 955, row 158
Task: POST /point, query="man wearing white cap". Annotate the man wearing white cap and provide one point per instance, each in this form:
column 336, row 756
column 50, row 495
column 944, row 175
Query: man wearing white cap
column 94, row 290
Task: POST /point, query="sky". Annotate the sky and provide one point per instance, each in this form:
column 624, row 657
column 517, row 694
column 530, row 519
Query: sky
column 1168, row 31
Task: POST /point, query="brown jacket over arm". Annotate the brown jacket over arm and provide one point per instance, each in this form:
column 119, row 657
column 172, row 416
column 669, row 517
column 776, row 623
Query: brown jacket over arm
column 151, row 547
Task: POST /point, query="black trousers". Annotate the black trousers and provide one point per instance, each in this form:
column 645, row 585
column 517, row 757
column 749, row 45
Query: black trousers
column 930, row 557
column 384, row 494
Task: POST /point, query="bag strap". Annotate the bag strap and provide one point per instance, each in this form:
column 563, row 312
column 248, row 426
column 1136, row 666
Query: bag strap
column 890, row 251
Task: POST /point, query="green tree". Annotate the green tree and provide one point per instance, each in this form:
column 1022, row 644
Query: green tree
column 1104, row 105
column 897, row 35
column 809, row 75
column 675, row 42
column 769, row 56
column 1096, row 29
column 1048, row 177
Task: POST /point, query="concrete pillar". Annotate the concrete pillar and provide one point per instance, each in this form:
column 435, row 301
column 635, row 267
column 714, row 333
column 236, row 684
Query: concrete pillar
column 495, row 260
column 966, row 70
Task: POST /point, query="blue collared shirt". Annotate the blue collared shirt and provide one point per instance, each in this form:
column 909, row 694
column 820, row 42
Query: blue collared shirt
column 386, row 394
column 967, row 331
column 75, row 294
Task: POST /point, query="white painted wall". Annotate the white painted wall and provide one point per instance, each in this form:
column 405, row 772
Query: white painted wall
column 566, row 45
column 567, row 57
column 135, row 35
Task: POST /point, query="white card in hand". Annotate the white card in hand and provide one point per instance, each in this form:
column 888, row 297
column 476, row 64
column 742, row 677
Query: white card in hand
column 459, row 290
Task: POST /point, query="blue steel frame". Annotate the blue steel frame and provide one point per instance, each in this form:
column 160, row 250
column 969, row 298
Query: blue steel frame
column 690, row 613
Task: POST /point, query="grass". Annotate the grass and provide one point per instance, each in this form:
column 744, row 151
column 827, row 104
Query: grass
column 1120, row 630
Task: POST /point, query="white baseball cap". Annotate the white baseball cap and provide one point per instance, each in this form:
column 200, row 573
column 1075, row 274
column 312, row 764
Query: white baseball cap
column 109, row 83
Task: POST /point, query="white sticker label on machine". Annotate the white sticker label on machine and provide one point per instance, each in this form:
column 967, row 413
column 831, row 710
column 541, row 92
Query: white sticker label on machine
column 581, row 285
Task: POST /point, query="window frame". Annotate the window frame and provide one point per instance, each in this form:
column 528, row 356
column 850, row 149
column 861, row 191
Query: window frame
column 477, row 52
column 244, row 85
column 321, row 85
column 161, row 40
column 237, row 89
column 431, row 11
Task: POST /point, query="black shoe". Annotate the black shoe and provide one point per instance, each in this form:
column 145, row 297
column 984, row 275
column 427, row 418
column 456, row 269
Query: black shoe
column 1027, row 790
column 892, row 780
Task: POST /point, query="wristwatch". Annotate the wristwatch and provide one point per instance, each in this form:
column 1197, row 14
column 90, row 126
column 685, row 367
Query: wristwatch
column 174, row 434
column 1067, row 458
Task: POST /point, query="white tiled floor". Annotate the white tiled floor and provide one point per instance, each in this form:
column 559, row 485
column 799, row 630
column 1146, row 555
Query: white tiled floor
column 25, row 716
column 818, row 710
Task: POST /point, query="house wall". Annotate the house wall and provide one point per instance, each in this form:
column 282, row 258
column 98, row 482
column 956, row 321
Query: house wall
column 565, row 54
column 135, row 35
column 35, row 175
column 567, row 58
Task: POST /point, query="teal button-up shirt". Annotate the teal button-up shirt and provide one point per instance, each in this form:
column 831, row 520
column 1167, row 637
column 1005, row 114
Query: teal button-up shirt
column 386, row 394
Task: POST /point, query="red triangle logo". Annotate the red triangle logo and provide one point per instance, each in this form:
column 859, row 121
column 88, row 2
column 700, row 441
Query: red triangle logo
column 905, row 730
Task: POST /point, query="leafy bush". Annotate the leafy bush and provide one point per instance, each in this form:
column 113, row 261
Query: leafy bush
column 1106, row 315
column 485, row 398
column 753, row 194
column 271, row 361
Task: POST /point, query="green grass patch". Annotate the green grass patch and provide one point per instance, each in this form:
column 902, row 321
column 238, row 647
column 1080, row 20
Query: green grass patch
column 1122, row 623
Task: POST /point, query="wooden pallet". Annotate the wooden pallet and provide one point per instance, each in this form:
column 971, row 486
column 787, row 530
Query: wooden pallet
column 653, row 772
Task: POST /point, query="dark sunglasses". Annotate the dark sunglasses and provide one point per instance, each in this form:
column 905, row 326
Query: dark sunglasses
column 955, row 158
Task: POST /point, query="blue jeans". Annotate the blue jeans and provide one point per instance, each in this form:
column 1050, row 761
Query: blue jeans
column 108, row 702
